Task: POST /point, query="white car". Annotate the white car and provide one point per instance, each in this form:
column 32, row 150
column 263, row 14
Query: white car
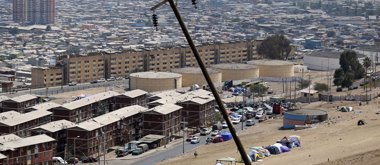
column 259, row 114
column 215, row 132
column 224, row 124
column 102, row 80
column 195, row 140
column 235, row 120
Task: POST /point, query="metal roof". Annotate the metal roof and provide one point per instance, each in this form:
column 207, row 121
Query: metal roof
column 25, row 117
column 8, row 114
column 135, row 93
column 2, row 98
column 23, row 98
column 2, row 156
column 199, row 96
column 23, row 142
column 165, row 109
column 56, row 125
column 110, row 118
column 45, row 106
column 9, row 137
column 89, row 100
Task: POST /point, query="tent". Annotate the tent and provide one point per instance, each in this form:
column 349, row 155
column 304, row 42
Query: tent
column 284, row 149
column 346, row 109
column 226, row 135
column 296, row 140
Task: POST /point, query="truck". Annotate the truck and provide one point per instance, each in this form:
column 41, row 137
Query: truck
column 144, row 147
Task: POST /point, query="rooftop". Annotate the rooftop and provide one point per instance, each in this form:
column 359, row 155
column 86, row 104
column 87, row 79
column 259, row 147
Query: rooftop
column 165, row 109
column 23, row 142
column 56, row 125
column 9, row 137
column 106, row 119
column 135, row 93
column 269, row 62
column 45, row 106
column 235, row 66
column 89, row 100
column 194, row 70
column 16, row 119
column 156, row 75
column 23, row 98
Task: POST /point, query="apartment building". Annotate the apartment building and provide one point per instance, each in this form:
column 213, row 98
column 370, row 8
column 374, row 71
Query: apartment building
column 83, row 69
column 103, row 65
column 56, row 130
column 86, row 108
column 134, row 97
column 115, row 128
column 43, row 107
column 19, row 103
column 47, row 77
column 30, row 150
column 20, row 124
column 198, row 106
column 162, row 120
column 34, row 12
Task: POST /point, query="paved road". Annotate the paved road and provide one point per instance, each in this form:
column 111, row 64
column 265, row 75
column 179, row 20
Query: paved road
column 171, row 152
column 66, row 88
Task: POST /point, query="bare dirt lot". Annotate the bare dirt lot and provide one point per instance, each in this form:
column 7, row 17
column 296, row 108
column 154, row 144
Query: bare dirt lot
column 338, row 140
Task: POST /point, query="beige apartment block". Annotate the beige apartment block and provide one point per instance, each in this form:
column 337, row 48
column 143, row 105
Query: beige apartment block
column 83, row 69
column 47, row 77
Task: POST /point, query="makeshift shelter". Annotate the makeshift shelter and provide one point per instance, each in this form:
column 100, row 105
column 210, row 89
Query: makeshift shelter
column 346, row 109
column 296, row 140
column 284, row 149
column 226, row 135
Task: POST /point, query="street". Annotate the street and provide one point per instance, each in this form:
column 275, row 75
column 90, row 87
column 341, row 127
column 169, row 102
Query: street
column 171, row 152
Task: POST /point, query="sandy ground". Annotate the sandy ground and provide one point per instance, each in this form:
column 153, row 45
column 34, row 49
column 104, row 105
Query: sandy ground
column 332, row 141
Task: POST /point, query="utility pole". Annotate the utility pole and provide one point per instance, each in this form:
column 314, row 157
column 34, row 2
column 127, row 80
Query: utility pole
column 309, row 88
column 183, row 136
column 202, row 66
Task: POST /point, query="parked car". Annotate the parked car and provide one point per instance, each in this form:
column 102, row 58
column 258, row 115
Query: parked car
column 102, row 80
column 88, row 159
column 235, row 120
column 217, row 139
column 58, row 161
column 204, row 131
column 120, row 152
column 250, row 122
column 73, row 160
column 93, row 81
column 215, row 132
column 111, row 79
column 144, row 147
column 224, row 125
column 73, row 83
column 259, row 114
column 137, row 151
column 188, row 139
column 195, row 140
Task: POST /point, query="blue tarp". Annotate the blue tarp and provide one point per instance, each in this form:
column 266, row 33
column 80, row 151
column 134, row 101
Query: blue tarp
column 226, row 135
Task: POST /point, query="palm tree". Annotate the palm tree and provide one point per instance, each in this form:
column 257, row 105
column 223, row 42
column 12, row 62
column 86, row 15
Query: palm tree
column 366, row 63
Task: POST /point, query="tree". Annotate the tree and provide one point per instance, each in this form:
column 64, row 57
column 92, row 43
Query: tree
column 338, row 77
column 275, row 47
column 302, row 83
column 321, row 87
column 14, row 31
column 259, row 88
column 350, row 69
column 331, row 34
column 48, row 28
